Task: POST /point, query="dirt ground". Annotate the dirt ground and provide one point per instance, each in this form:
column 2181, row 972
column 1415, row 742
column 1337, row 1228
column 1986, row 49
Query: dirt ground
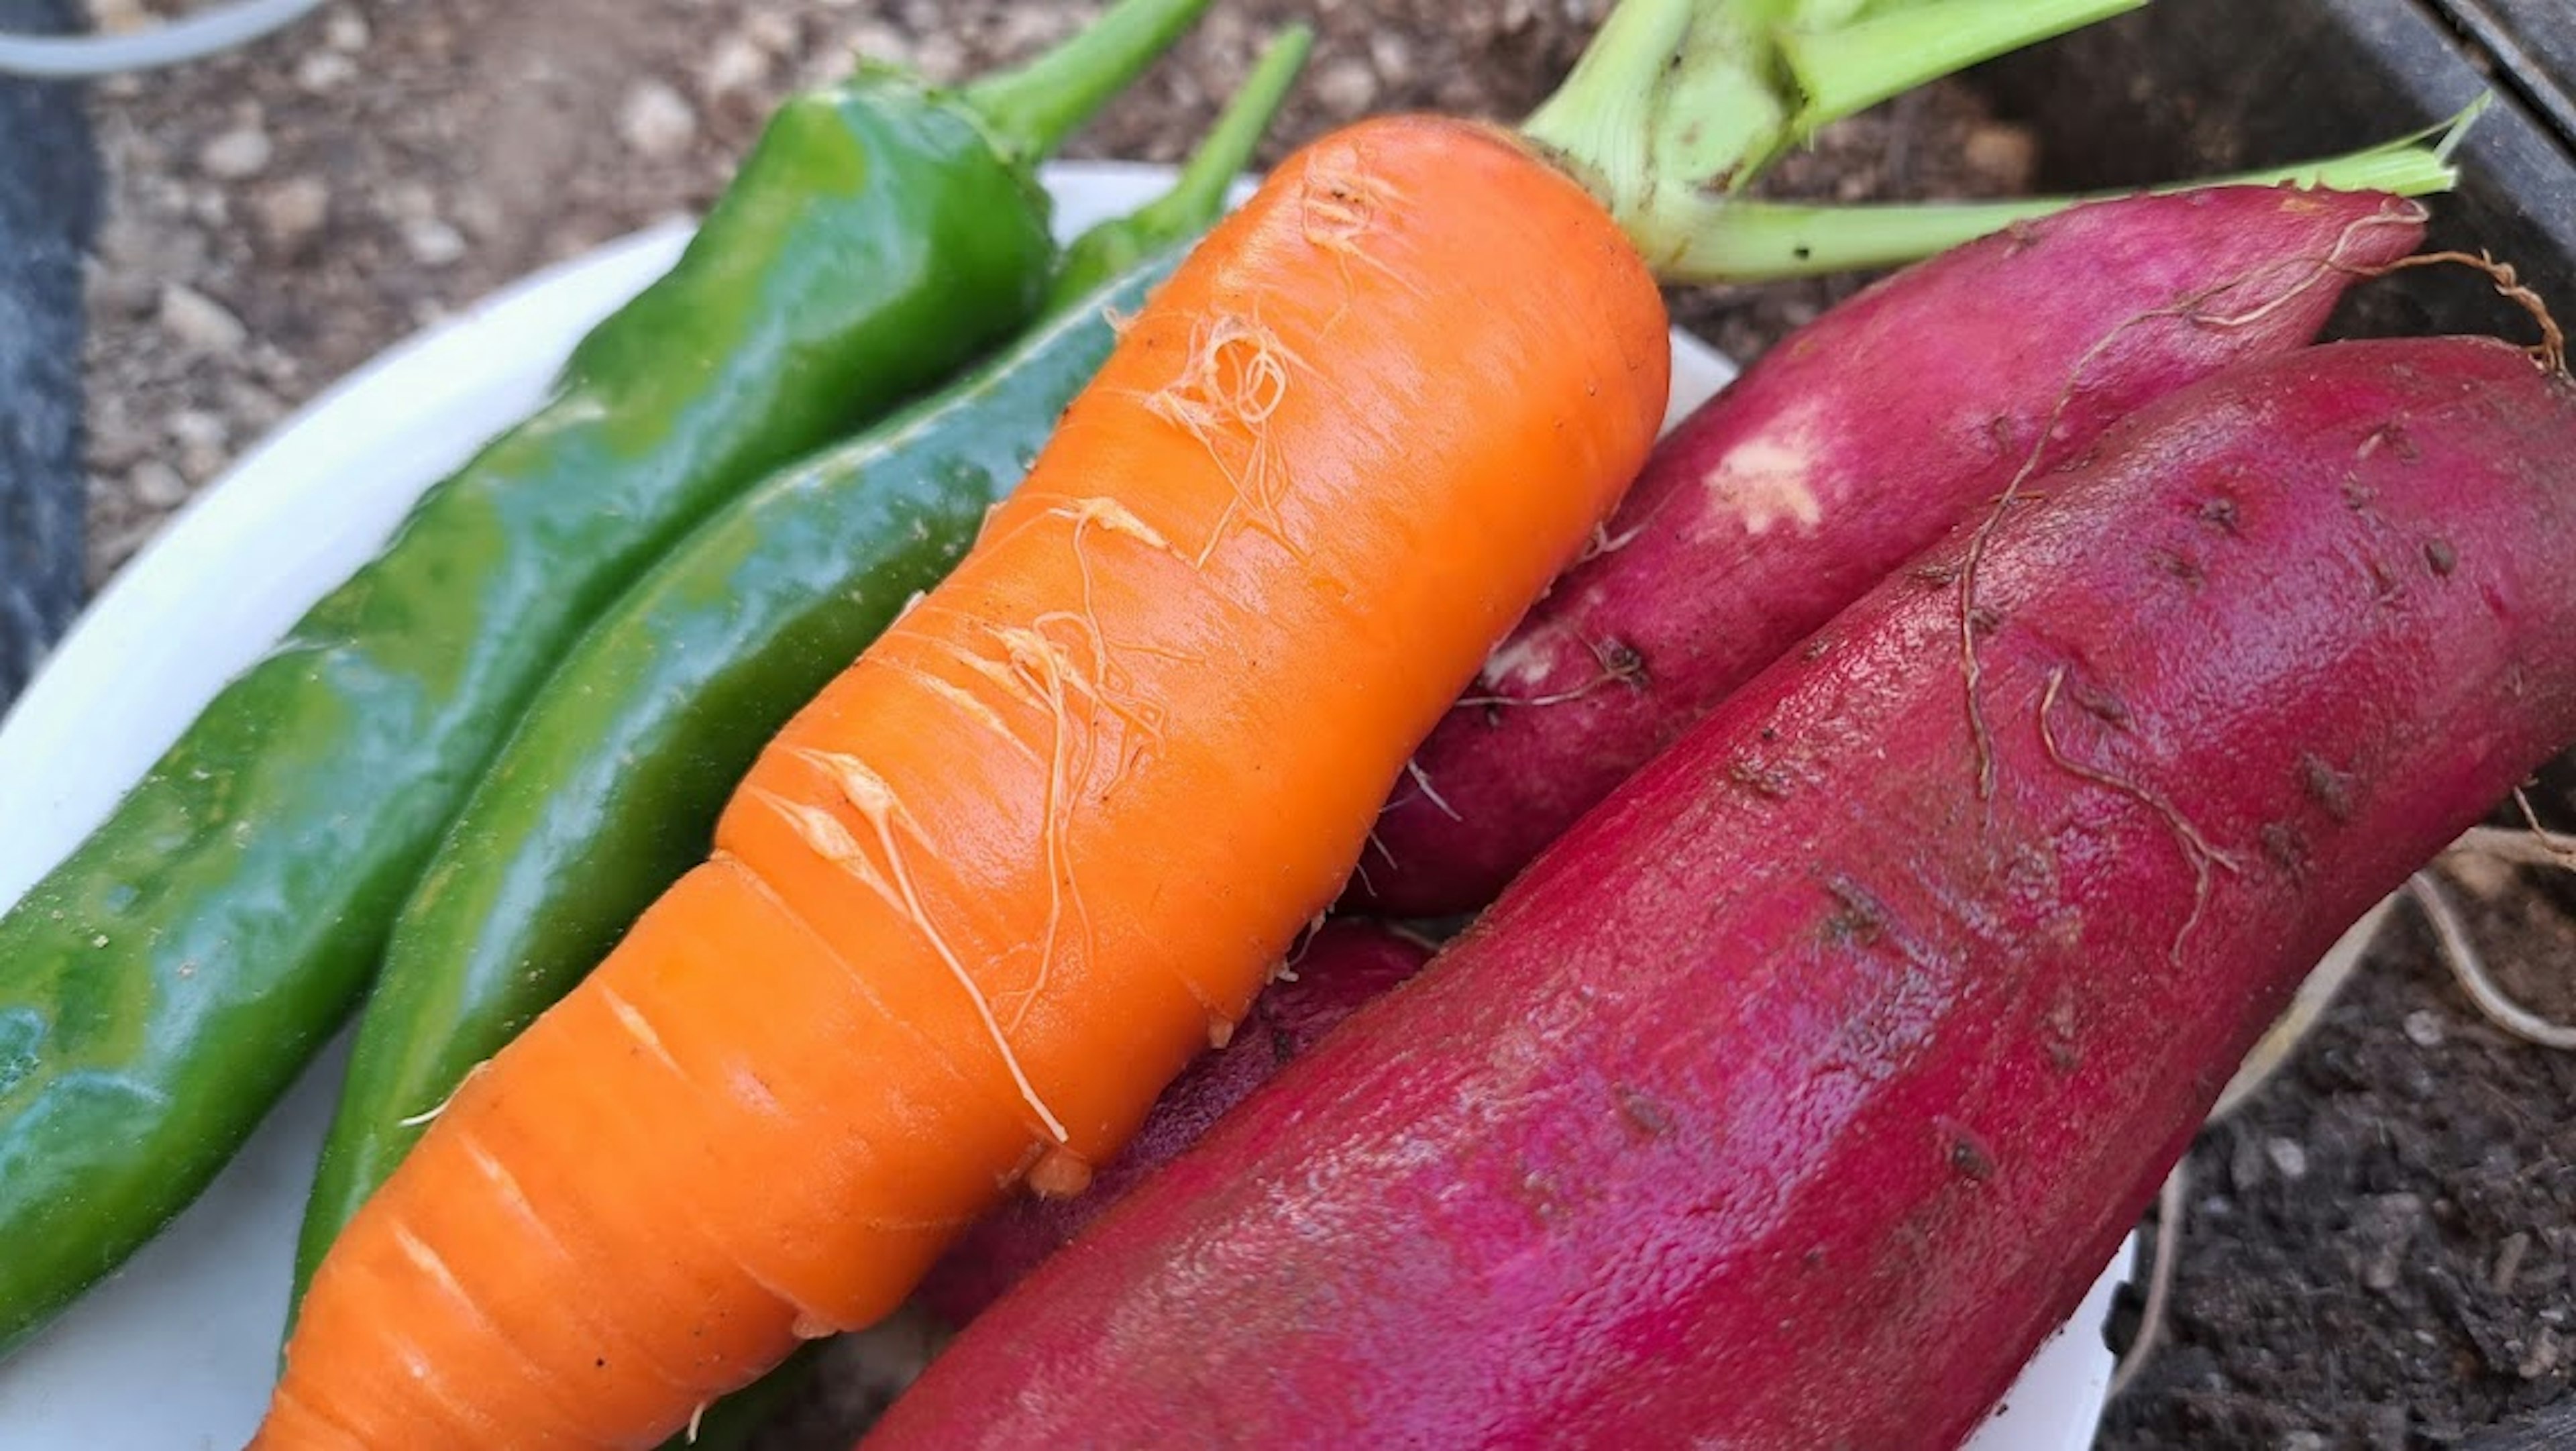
column 2376, row 1252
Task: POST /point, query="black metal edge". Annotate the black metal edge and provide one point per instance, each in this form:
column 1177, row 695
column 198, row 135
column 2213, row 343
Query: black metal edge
column 49, row 208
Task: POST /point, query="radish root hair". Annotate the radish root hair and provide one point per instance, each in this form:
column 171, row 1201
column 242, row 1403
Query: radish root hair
column 2307, row 1008
column 1617, row 664
column 2468, row 965
column 2452, row 941
column 430, row 1115
column 2551, row 351
column 2170, row 1210
column 2195, row 846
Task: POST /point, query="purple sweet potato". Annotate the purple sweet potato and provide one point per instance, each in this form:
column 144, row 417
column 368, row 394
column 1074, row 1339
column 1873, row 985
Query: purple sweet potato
column 1343, row 965
column 1793, row 1096
column 1859, row 440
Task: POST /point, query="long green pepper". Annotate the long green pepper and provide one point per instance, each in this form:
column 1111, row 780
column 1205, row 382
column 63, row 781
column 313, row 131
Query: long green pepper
column 162, row 986
column 609, row 788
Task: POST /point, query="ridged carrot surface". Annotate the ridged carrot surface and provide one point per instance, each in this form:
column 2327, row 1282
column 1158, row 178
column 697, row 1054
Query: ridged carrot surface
column 1046, row 839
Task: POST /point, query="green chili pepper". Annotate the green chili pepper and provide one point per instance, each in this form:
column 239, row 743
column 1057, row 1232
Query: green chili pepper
column 161, row 987
column 609, row 788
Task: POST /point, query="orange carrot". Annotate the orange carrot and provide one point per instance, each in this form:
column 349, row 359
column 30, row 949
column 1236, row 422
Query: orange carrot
column 992, row 890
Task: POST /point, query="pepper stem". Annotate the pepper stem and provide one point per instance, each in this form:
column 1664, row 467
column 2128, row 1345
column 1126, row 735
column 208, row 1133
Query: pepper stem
column 1199, row 195
column 1727, row 239
column 1034, row 107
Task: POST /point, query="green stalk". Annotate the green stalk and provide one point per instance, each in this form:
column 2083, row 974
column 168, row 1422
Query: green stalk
column 1198, row 196
column 1601, row 123
column 1847, row 69
column 1727, row 239
column 1675, row 100
column 1033, row 108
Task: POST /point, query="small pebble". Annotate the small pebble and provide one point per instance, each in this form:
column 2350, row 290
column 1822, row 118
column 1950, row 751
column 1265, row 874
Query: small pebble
column 2542, row 1358
column 772, row 30
column 410, row 201
column 156, row 485
column 2288, row 1157
column 194, row 425
column 1346, row 87
column 2424, row 1028
column 241, row 152
column 211, row 205
column 2382, row 1272
column 293, row 210
column 2245, row 1166
column 116, row 440
column 1392, row 54
column 940, row 58
column 118, row 17
column 346, row 31
column 656, row 121
column 736, row 66
column 2005, row 154
column 2508, row 1265
column 274, row 365
column 324, row 70
column 2303, row 1441
column 199, row 322
column 204, row 444
column 431, row 242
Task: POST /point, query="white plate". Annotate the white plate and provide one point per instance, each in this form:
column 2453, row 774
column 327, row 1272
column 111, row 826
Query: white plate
column 177, row 1350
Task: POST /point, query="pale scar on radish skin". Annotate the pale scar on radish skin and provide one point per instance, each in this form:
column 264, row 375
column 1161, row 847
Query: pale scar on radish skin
column 1532, row 661
column 1524, row 660
column 1768, row 480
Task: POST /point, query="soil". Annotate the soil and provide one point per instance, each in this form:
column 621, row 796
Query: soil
column 2377, row 1249
column 280, row 215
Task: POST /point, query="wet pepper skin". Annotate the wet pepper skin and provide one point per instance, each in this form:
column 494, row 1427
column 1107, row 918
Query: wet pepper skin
column 1795, row 1095
column 161, row 988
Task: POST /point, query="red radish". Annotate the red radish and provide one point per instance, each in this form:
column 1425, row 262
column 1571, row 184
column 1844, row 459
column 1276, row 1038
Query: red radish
column 1790, row 1099
column 1342, row 966
column 1841, row 452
